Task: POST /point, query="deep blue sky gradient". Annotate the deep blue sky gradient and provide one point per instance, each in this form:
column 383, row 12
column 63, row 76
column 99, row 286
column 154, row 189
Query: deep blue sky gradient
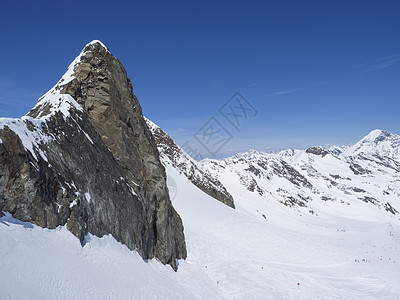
column 318, row 72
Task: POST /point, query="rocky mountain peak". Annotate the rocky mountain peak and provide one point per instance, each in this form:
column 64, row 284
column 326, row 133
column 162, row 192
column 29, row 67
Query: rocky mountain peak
column 84, row 157
column 55, row 100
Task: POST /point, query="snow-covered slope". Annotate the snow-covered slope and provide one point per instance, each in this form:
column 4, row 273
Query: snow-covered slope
column 232, row 254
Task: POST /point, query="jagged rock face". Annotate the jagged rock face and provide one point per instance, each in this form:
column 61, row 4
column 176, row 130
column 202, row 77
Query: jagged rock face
column 96, row 169
column 172, row 154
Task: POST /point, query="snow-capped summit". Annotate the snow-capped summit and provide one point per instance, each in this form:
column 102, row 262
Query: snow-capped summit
column 55, row 99
column 378, row 135
column 377, row 143
column 96, row 42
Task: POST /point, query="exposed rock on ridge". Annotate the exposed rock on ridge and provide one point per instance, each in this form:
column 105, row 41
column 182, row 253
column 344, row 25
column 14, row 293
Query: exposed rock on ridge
column 180, row 160
column 85, row 157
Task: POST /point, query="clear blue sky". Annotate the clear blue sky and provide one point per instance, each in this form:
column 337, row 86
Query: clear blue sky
column 317, row 72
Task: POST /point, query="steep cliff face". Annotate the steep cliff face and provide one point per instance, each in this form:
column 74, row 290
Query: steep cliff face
column 84, row 157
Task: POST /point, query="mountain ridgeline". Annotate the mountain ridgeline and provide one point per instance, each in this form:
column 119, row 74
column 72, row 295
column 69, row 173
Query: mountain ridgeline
column 174, row 155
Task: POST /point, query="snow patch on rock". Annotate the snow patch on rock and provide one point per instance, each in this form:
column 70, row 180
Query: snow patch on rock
column 31, row 137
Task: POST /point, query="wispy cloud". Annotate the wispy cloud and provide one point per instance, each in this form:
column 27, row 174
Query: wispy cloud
column 379, row 64
column 249, row 86
column 279, row 93
column 180, row 132
column 288, row 91
column 382, row 65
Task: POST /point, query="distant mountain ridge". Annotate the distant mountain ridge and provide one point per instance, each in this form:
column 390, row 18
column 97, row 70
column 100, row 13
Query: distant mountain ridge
column 368, row 172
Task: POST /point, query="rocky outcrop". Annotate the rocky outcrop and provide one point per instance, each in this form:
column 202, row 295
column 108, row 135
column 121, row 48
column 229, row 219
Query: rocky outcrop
column 319, row 151
column 85, row 157
column 180, row 160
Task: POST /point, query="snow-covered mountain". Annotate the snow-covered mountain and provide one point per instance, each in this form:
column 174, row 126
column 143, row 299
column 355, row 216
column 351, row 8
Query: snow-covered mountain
column 378, row 143
column 379, row 150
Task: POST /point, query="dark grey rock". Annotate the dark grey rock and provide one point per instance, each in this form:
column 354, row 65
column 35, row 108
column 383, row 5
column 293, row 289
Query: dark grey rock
column 358, row 170
column 319, row 151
